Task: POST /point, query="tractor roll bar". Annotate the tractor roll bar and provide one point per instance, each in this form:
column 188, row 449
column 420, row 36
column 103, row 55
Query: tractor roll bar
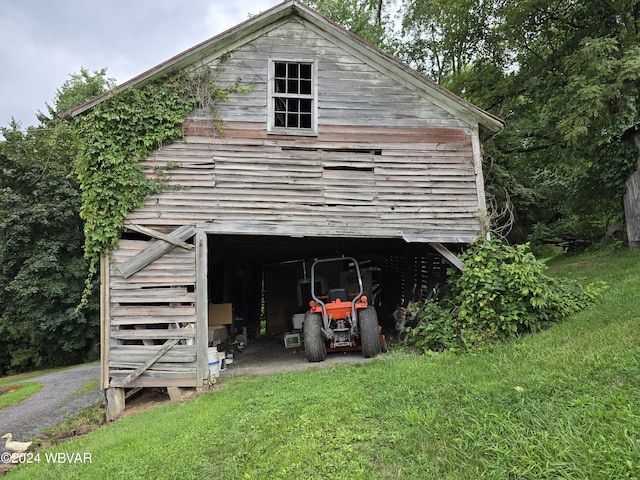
column 353, row 300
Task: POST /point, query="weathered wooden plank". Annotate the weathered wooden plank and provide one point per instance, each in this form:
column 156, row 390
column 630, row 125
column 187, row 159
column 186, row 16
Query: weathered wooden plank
column 157, row 367
column 150, row 295
column 155, row 379
column 156, row 249
column 134, row 321
column 154, row 333
column 153, row 282
column 175, row 365
column 632, row 209
column 159, row 236
column 153, row 311
column 105, row 315
column 140, row 353
column 202, row 311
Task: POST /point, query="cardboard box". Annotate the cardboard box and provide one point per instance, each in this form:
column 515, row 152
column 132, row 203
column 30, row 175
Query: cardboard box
column 220, row 314
column 219, row 333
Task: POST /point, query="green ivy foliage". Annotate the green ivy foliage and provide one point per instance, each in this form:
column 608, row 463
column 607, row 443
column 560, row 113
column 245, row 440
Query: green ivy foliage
column 502, row 292
column 118, row 133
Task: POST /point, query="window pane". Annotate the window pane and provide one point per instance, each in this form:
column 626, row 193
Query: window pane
column 305, row 120
column 292, row 120
column 293, row 104
column 305, row 71
column 305, row 105
column 293, row 70
column 281, row 85
column 280, row 120
column 292, row 86
column 280, row 104
column 281, row 69
column 305, row 87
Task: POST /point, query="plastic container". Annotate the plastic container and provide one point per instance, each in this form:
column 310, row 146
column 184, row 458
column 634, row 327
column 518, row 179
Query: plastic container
column 292, row 340
column 214, row 368
column 214, row 362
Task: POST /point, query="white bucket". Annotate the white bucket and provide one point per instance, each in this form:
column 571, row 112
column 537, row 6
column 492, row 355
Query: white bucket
column 214, row 369
column 214, row 362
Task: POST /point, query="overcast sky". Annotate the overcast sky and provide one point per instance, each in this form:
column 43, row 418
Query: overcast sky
column 42, row 42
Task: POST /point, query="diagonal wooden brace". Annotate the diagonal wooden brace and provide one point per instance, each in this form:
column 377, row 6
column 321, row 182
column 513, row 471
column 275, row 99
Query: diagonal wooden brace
column 140, row 370
column 156, row 249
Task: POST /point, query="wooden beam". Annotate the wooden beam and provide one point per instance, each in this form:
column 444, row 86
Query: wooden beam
column 115, row 403
column 156, row 249
column 159, row 235
column 202, row 369
column 632, row 209
column 138, row 371
column 105, row 321
column 448, row 254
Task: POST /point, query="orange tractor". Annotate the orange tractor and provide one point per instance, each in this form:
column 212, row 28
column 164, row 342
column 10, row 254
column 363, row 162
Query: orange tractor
column 340, row 321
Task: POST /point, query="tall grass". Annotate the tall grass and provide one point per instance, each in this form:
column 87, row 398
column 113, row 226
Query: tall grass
column 564, row 403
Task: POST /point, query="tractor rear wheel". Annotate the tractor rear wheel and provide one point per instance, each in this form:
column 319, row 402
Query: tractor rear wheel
column 314, row 346
column 369, row 335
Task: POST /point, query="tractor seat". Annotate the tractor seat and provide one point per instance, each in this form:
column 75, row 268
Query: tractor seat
column 337, row 294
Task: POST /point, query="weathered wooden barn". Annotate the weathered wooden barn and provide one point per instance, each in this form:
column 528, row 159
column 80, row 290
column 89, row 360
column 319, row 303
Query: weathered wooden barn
column 336, row 149
column 632, row 193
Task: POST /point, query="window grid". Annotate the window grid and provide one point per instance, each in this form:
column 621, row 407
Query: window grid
column 293, row 95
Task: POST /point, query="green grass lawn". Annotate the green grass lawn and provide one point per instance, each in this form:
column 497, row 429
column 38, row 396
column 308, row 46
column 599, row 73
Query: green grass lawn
column 564, row 403
column 16, row 396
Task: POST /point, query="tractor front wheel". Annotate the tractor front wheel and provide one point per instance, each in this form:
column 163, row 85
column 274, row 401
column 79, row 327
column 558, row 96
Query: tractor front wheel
column 369, row 335
column 314, row 346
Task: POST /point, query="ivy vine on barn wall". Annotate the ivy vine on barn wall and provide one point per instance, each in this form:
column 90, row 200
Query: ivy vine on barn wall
column 118, row 133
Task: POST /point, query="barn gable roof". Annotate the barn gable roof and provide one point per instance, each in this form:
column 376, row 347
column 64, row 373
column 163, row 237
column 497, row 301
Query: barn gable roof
column 257, row 25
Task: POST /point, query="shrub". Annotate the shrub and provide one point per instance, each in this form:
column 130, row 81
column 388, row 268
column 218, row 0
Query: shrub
column 435, row 328
column 501, row 292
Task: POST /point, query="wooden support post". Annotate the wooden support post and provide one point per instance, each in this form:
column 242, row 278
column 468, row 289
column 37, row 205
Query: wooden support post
column 202, row 324
column 175, row 393
column 632, row 198
column 115, row 403
column 632, row 209
column 105, row 321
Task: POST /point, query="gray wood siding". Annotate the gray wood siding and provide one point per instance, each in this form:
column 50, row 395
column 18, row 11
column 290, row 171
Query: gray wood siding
column 146, row 310
column 386, row 161
column 385, row 182
column 350, row 92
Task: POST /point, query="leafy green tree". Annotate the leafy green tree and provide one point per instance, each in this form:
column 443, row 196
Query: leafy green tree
column 42, row 269
column 564, row 75
column 369, row 19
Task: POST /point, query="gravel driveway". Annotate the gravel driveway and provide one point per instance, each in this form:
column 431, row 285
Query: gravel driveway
column 57, row 399
column 267, row 356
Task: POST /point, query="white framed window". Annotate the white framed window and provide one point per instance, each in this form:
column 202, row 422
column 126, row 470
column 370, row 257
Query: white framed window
column 292, row 100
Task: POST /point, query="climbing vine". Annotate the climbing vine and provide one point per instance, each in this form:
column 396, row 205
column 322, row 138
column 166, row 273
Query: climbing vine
column 118, row 133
